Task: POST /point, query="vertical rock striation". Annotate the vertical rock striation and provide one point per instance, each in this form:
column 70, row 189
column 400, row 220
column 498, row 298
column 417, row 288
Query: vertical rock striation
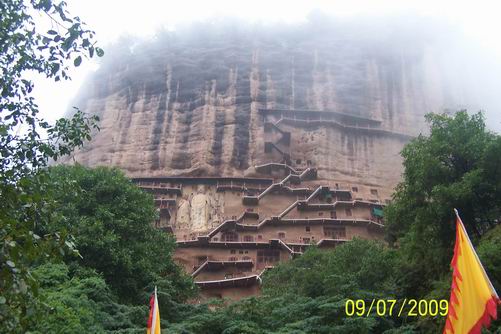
column 189, row 103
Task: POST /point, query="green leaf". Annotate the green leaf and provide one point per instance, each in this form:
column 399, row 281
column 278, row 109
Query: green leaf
column 68, row 42
column 99, row 52
column 77, row 61
column 46, row 4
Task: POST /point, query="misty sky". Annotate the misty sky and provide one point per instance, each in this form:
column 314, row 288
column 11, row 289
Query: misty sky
column 477, row 20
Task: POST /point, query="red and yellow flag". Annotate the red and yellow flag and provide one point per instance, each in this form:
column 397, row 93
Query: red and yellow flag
column 154, row 318
column 473, row 301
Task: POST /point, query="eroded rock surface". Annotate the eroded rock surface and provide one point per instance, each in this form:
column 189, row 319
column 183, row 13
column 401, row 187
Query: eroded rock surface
column 188, row 103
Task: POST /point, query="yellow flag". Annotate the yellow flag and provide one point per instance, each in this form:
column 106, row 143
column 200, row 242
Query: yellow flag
column 473, row 301
column 154, row 318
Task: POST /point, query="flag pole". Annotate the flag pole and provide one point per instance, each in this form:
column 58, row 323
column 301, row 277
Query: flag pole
column 461, row 225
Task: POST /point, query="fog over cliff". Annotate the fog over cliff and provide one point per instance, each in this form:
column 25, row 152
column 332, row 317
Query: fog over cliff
column 187, row 102
column 463, row 73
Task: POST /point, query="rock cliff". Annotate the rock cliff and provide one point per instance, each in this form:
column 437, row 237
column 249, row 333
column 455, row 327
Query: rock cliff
column 195, row 102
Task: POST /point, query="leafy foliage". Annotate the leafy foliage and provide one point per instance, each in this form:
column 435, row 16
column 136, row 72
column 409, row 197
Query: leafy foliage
column 27, row 143
column 81, row 302
column 355, row 267
column 451, row 168
column 122, row 256
column 490, row 254
column 111, row 219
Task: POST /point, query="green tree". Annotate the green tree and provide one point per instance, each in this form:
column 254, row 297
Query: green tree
column 453, row 167
column 27, row 142
column 111, row 220
column 81, row 302
column 489, row 252
column 317, row 285
column 352, row 270
column 70, row 310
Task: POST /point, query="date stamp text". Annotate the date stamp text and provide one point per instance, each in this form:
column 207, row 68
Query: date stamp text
column 399, row 308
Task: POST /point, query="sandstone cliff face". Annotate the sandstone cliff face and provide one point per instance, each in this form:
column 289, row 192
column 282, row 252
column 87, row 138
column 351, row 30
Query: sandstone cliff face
column 188, row 104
